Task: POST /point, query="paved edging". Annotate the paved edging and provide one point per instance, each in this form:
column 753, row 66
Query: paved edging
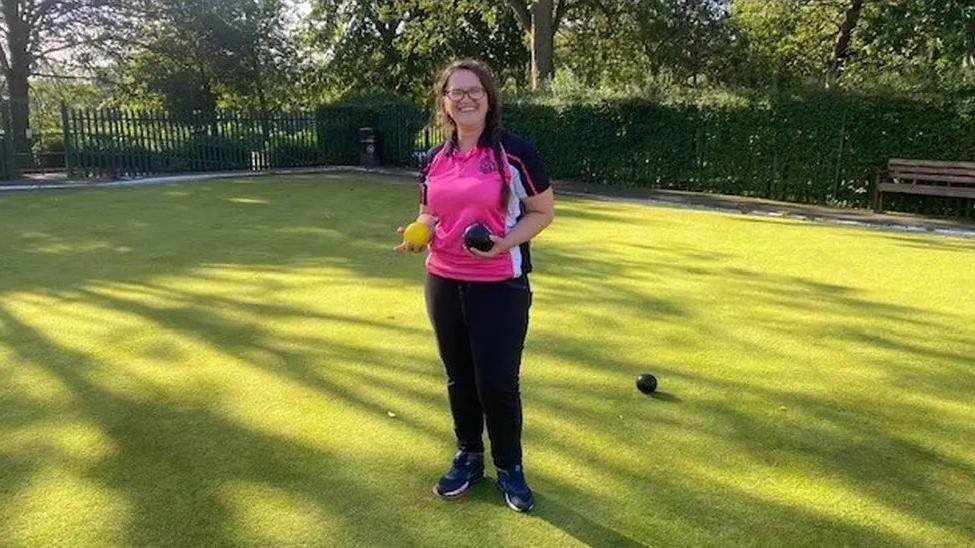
column 163, row 179
column 819, row 219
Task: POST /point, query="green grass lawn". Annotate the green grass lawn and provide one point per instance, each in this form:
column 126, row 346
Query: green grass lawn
column 217, row 363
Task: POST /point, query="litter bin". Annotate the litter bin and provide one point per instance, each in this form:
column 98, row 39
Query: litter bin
column 368, row 147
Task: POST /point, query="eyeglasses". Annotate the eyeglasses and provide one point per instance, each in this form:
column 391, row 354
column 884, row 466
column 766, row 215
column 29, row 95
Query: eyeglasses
column 475, row 94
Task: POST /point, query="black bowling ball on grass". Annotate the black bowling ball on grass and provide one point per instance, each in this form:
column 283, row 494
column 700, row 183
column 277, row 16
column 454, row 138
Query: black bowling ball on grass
column 646, row 383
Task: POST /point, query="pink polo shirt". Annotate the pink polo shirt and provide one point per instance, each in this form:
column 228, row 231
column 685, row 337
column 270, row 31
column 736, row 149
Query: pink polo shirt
column 463, row 188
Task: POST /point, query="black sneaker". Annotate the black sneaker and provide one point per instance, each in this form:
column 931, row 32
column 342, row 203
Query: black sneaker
column 466, row 470
column 517, row 495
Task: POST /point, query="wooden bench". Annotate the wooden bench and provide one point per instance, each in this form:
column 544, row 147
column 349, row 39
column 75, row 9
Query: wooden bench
column 925, row 177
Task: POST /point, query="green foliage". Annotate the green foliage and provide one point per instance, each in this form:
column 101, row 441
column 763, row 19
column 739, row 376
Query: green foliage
column 781, row 44
column 48, row 94
column 338, row 131
column 198, row 55
column 208, row 153
column 104, row 153
column 397, row 126
column 48, row 151
column 166, row 80
column 113, row 154
column 911, row 46
column 813, row 147
column 399, row 45
column 566, row 88
column 201, row 54
column 703, row 31
column 603, row 49
column 371, row 97
column 917, row 46
column 295, row 149
column 630, row 45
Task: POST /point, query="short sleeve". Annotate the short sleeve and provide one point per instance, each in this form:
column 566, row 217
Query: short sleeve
column 425, row 164
column 531, row 171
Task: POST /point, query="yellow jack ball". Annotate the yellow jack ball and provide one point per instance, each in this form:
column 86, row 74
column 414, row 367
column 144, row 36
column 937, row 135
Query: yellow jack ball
column 417, row 234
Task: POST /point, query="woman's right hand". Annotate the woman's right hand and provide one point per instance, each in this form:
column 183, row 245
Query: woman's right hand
column 424, row 218
column 407, row 246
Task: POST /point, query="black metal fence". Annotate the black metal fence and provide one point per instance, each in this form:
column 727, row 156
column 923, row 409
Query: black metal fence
column 121, row 142
column 823, row 149
column 125, row 143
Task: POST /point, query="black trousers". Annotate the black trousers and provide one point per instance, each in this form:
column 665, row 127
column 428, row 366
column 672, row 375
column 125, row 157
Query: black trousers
column 480, row 329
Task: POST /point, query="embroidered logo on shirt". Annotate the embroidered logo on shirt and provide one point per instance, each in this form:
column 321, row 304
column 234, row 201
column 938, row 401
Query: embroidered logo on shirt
column 487, row 166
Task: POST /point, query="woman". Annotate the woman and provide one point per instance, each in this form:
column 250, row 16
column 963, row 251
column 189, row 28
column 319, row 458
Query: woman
column 478, row 300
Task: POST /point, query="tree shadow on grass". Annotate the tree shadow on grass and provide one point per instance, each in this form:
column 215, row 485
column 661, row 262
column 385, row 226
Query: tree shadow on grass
column 875, row 452
column 174, row 459
column 72, row 239
column 176, row 465
column 308, row 360
column 578, row 525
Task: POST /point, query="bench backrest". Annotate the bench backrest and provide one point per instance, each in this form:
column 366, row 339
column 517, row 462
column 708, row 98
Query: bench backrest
column 928, row 170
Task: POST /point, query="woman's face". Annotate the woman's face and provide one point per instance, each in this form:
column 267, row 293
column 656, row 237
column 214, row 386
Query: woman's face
column 467, row 112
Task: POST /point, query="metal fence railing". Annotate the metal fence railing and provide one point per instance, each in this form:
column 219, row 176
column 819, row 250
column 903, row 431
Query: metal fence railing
column 117, row 142
column 122, row 142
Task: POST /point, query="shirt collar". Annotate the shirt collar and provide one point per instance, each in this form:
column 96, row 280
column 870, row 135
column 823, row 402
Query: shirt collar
column 458, row 155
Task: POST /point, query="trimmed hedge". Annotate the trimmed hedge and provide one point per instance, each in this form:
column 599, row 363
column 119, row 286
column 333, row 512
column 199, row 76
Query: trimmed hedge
column 820, row 148
column 397, row 126
column 109, row 154
column 208, row 153
column 814, row 147
column 294, row 150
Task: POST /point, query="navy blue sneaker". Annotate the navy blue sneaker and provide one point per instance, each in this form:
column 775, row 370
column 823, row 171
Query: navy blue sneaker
column 517, row 495
column 466, row 470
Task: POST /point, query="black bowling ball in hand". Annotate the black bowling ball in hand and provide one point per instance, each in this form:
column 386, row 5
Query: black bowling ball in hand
column 477, row 236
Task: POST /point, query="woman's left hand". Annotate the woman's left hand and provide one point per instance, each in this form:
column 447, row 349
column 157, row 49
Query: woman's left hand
column 500, row 246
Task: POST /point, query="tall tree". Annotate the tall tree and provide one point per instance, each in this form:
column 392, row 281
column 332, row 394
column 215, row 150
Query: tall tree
column 916, row 44
column 42, row 35
column 841, row 47
column 397, row 45
column 683, row 36
column 909, row 45
column 192, row 55
column 602, row 47
column 780, row 44
column 541, row 19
